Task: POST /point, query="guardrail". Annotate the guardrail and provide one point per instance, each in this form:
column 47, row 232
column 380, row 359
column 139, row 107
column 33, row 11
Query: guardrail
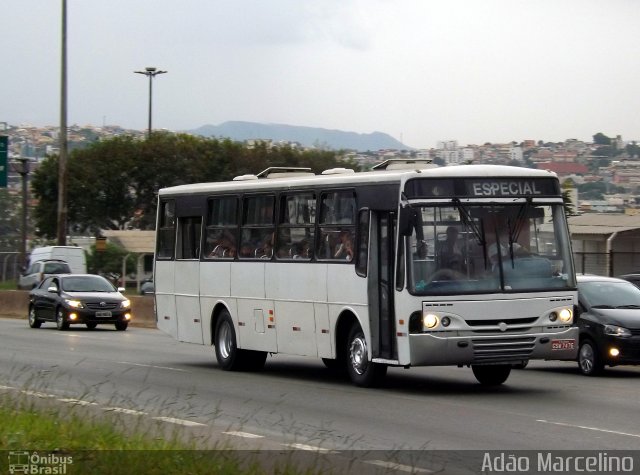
column 15, row 303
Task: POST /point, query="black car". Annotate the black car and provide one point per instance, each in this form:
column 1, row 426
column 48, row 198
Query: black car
column 633, row 278
column 609, row 322
column 78, row 298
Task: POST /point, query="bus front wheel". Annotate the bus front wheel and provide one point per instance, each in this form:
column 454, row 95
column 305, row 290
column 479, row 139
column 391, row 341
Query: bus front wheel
column 491, row 375
column 362, row 371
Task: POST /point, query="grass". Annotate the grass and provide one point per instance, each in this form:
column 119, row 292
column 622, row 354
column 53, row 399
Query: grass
column 96, row 445
column 8, row 285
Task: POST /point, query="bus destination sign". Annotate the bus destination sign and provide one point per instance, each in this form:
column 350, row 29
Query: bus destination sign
column 509, row 187
column 482, row 187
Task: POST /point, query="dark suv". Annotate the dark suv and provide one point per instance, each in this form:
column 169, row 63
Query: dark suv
column 40, row 270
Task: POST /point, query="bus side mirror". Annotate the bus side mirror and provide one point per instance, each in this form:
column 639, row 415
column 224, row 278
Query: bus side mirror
column 407, row 221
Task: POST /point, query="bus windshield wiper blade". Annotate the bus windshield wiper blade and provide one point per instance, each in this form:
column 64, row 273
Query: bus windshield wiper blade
column 603, row 306
column 628, row 306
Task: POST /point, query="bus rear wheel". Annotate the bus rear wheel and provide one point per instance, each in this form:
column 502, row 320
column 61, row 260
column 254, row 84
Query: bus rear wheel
column 491, row 375
column 362, row 371
column 229, row 357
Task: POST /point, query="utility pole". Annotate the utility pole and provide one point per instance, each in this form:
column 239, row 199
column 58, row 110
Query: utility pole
column 24, row 173
column 62, row 163
column 150, row 72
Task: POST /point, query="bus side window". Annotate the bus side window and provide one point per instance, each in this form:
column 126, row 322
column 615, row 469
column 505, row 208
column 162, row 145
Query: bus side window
column 336, row 239
column 257, row 234
column 296, row 231
column 222, row 228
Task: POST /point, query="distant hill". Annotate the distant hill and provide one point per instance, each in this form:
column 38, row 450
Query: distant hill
column 306, row 136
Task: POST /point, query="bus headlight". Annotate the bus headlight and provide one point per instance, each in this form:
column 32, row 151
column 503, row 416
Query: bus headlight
column 430, row 320
column 565, row 315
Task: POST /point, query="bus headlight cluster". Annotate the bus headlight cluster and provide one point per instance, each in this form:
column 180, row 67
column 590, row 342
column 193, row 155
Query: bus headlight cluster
column 432, row 320
column 564, row 315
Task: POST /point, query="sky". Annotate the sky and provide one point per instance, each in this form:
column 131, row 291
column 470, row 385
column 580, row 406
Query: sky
column 422, row 71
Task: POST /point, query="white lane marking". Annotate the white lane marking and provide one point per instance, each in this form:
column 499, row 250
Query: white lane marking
column 398, row 466
column 6, row 387
column 597, row 429
column 246, row 435
column 152, row 366
column 70, row 334
column 78, row 402
column 124, row 411
column 36, row 393
column 183, row 422
column 311, row 448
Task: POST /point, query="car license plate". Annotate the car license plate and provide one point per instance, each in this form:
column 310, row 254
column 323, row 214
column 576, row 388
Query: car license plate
column 103, row 314
column 563, row 344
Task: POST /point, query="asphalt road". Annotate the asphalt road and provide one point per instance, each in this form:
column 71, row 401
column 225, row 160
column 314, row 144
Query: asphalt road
column 296, row 402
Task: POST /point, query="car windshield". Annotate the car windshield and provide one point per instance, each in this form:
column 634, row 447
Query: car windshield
column 56, row 268
column 601, row 294
column 477, row 247
column 92, row 283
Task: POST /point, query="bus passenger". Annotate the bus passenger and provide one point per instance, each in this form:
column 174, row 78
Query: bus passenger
column 345, row 247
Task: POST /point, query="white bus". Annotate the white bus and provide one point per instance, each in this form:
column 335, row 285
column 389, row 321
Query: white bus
column 468, row 266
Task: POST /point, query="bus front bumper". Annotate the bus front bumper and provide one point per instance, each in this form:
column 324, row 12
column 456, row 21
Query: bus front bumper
column 440, row 349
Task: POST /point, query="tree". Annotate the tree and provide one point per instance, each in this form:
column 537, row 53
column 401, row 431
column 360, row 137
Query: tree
column 601, row 139
column 113, row 184
column 109, row 261
column 569, row 205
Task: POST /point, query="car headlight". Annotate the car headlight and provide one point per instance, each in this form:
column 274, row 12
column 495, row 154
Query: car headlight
column 614, row 330
column 125, row 304
column 74, row 303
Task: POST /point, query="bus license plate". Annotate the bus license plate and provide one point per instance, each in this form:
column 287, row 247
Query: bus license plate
column 103, row 314
column 563, row 344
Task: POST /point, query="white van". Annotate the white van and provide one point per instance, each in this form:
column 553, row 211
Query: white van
column 72, row 255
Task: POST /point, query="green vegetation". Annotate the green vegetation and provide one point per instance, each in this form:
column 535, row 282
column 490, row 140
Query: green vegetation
column 113, row 183
column 96, row 446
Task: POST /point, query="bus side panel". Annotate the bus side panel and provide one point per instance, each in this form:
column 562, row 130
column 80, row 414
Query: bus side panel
column 215, row 286
column 187, row 285
column 215, row 278
column 323, row 331
column 346, row 291
column 247, row 284
column 294, row 287
column 165, row 300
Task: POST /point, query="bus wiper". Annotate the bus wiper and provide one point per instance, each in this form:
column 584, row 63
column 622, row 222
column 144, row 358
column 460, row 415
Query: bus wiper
column 628, row 306
column 603, row 306
column 468, row 222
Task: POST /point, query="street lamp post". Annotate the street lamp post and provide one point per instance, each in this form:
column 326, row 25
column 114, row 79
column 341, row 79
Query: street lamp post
column 24, row 173
column 150, row 73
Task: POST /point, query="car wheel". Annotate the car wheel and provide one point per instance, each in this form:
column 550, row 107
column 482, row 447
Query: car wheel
column 491, row 375
column 61, row 319
column 33, row 321
column 121, row 326
column 589, row 360
column 91, row 325
column 362, row 371
column 522, row 365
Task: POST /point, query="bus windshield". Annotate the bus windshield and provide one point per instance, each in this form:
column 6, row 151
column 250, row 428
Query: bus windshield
column 488, row 248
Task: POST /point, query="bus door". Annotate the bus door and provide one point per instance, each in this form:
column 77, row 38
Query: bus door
column 187, row 280
column 381, row 284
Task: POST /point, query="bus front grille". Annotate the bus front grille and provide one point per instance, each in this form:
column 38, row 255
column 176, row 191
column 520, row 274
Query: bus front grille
column 496, row 350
